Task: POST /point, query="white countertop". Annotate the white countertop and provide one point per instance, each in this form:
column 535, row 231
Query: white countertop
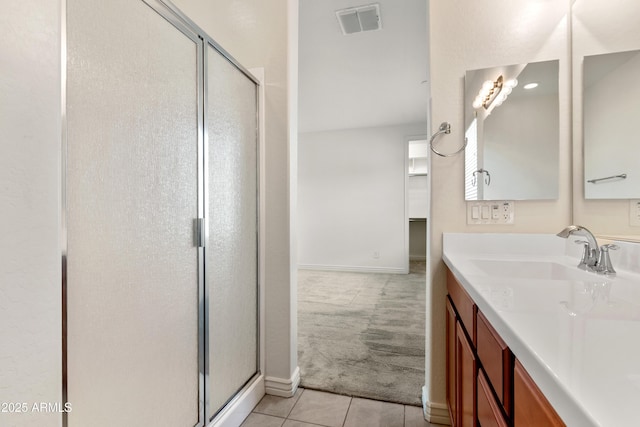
column 576, row 333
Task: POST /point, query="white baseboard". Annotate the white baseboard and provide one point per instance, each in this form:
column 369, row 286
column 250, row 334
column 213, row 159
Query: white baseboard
column 283, row 387
column 436, row 413
column 240, row 408
column 352, row 268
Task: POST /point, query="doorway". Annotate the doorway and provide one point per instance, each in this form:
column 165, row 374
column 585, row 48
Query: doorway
column 361, row 97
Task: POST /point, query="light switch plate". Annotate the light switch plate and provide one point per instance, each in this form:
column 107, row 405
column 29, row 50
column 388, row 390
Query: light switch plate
column 497, row 212
column 634, row 213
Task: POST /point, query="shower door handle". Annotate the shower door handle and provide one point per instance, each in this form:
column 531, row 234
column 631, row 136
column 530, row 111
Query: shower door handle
column 198, row 232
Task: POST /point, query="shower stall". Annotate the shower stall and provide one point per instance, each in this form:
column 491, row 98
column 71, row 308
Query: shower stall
column 160, row 219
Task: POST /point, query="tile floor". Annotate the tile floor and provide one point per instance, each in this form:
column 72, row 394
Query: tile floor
column 310, row 408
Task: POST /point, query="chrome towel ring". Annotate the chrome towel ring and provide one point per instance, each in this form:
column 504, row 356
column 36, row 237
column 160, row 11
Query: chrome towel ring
column 487, row 179
column 445, row 128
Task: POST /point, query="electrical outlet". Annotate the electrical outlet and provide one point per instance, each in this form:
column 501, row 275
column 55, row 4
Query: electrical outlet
column 490, row 212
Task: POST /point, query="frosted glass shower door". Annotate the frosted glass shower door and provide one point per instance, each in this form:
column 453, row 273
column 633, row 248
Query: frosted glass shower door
column 133, row 115
column 231, row 211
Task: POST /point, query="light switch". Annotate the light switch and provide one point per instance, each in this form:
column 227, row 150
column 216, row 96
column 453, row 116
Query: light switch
column 475, row 212
column 485, row 212
column 481, row 212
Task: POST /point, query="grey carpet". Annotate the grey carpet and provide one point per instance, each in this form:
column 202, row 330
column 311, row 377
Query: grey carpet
column 362, row 334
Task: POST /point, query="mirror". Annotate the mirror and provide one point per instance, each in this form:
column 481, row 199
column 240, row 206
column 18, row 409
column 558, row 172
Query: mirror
column 611, row 149
column 511, row 117
column 601, row 28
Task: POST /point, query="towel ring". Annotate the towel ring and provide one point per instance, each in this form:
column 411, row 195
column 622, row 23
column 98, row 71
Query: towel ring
column 487, row 179
column 445, row 128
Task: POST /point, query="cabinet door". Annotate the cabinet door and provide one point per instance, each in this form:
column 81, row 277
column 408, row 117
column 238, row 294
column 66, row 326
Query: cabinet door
column 451, row 363
column 489, row 414
column 466, row 371
column 532, row 409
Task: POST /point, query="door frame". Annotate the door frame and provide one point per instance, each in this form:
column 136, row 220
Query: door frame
column 431, row 410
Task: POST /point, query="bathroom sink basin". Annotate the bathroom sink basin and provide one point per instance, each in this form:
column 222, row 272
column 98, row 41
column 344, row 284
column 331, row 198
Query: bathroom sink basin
column 538, row 270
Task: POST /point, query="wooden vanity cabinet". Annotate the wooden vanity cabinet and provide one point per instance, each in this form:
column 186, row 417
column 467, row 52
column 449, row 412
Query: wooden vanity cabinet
column 531, row 408
column 463, row 305
column 486, row 385
column 489, row 413
column 451, row 363
column 472, row 398
column 497, row 361
column 466, row 372
column 461, row 359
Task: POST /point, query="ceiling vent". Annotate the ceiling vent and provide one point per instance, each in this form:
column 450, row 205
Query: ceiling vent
column 361, row 18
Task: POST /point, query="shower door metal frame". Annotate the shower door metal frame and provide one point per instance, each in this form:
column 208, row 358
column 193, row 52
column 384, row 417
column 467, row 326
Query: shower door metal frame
column 186, row 26
column 210, row 416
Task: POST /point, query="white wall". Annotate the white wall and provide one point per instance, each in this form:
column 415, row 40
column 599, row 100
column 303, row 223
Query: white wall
column 417, row 196
column 255, row 33
column 30, row 290
column 351, row 198
column 466, row 35
column 599, row 28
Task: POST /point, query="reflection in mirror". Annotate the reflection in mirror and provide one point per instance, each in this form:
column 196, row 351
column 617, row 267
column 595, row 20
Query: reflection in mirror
column 512, row 129
column 611, row 114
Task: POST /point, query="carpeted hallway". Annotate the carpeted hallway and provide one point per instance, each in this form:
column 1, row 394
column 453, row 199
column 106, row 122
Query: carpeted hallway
column 362, row 334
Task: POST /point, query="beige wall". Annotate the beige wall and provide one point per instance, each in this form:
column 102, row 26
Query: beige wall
column 30, row 281
column 464, row 35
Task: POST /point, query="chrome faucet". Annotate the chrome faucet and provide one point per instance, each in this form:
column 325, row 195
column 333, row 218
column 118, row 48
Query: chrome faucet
column 604, row 265
column 594, row 258
column 591, row 252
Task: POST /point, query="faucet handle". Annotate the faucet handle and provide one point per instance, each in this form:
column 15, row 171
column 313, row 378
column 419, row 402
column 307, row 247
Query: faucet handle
column 586, row 254
column 604, row 265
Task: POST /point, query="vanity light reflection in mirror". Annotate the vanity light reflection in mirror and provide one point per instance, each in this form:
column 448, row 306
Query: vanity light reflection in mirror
column 512, row 129
column 611, row 113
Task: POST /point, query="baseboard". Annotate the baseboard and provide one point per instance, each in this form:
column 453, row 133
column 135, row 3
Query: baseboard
column 436, row 413
column 240, row 408
column 283, row 387
column 352, row 268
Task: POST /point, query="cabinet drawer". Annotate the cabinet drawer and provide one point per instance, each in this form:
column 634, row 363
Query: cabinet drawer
column 463, row 304
column 496, row 359
column 489, row 414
